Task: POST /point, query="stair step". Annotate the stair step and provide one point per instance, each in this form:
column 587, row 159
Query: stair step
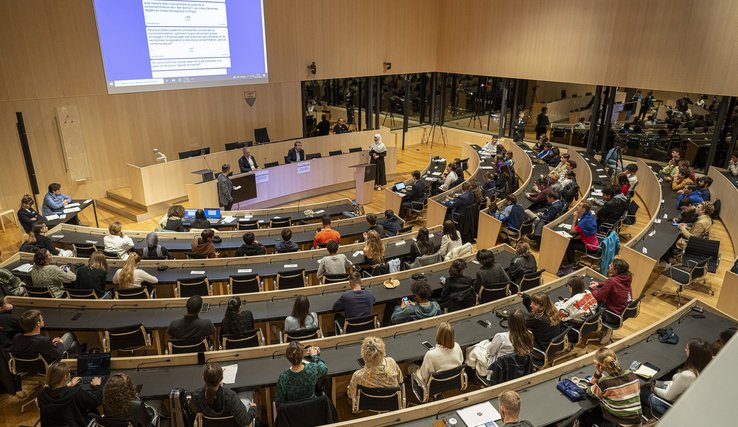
column 123, row 195
column 122, row 209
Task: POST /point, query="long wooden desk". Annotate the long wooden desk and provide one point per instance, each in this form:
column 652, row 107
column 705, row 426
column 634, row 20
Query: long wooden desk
column 146, row 181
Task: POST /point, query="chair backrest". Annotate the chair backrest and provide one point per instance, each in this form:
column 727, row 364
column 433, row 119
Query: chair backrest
column 591, row 325
column 290, row 279
column 699, row 249
column 557, row 345
column 280, row 222
column 101, row 421
column 359, row 324
column 244, row 284
column 27, row 365
column 252, row 338
column 248, row 224
column 286, row 251
column 510, row 367
column 131, row 293
column 633, row 309
column 452, row 379
column 261, row 135
column 234, row 145
column 126, row 338
column 530, row 281
column 39, row 292
column 187, row 346
column 335, row 278
column 335, row 153
column 199, row 285
column 81, row 293
column 493, row 291
column 302, row 334
column 271, row 164
column 381, row 399
column 526, row 228
column 83, row 251
column 426, row 260
column 202, row 420
column 354, row 150
column 192, row 255
column 699, row 269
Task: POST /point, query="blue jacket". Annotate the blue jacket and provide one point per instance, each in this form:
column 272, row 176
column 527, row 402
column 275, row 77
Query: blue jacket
column 545, row 153
column 54, row 204
column 610, row 248
column 513, row 217
column 588, row 223
column 465, row 199
column 553, row 211
column 695, row 197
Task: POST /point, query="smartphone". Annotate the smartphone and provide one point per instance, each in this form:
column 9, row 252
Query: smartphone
column 76, row 316
column 361, row 362
column 405, row 300
column 205, row 307
column 485, row 323
column 427, row 345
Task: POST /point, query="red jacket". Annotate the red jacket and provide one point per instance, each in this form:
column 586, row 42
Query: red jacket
column 615, row 293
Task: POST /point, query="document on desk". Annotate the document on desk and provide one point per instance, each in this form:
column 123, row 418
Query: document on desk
column 565, row 234
column 357, row 253
column 229, row 374
column 87, row 201
column 91, row 242
column 479, row 414
column 244, row 270
column 73, row 205
column 229, row 219
column 197, row 272
column 436, row 173
column 24, row 268
column 400, row 243
column 72, row 210
column 565, row 226
column 319, row 212
column 238, row 187
column 290, row 266
column 52, row 217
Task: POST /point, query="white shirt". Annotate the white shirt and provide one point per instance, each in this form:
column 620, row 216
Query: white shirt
column 633, row 180
column 139, row 276
column 118, row 244
column 439, row 359
column 451, row 177
column 251, row 162
column 491, row 147
column 676, row 386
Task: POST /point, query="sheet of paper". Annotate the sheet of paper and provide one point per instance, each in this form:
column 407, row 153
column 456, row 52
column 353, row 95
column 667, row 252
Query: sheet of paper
column 73, row 205
column 599, row 170
column 565, row 226
column 238, row 187
column 92, row 242
column 57, row 236
column 565, row 234
column 197, row 272
column 645, row 372
column 290, row 266
column 244, row 270
column 52, row 217
column 602, row 176
column 229, row 374
column 71, row 210
column 24, row 268
column 357, row 253
column 400, row 243
column 320, row 211
column 436, row 173
column 87, row 201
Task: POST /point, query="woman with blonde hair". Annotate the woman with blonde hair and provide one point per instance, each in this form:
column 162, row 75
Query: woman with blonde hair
column 373, row 248
column 130, row 276
column 94, row 274
column 378, row 371
column 617, row 389
column 117, row 242
column 445, row 355
column 543, row 321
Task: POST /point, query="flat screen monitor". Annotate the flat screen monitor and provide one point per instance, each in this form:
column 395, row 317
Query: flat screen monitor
column 212, row 213
column 194, row 153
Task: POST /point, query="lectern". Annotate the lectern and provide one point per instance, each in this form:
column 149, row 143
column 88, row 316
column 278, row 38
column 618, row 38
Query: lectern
column 206, row 174
column 364, row 174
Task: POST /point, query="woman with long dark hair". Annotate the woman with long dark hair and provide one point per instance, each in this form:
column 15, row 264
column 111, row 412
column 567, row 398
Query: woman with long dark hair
column 422, row 245
column 543, row 321
column 214, row 400
column 451, row 238
column 301, row 317
column 236, row 321
column 517, row 339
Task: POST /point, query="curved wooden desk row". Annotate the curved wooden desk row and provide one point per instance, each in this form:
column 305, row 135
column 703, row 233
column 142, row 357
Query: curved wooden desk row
column 542, row 403
column 430, row 175
column 489, row 226
column 145, row 180
column 724, row 188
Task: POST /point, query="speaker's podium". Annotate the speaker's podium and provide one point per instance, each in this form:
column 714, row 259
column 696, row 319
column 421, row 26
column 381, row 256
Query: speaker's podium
column 364, row 174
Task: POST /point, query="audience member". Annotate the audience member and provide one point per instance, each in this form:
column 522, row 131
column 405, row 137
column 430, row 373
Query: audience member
column 491, row 272
column 9, row 326
column 215, row 401
column 458, row 290
column 204, row 246
column 31, row 343
column 327, row 234
column 672, row 165
column 416, row 193
column 173, row 220
column 445, row 355
column 623, row 184
column 116, row 242
column 122, row 405
column 420, row 308
column 131, row 276
column 54, row 201
column 689, row 192
column 522, row 263
column 700, row 228
column 584, row 227
column 191, row 326
column 373, row 249
column 703, row 187
column 286, row 244
column 580, row 305
column 200, row 222
column 513, row 215
column 247, row 162
column 27, row 215
column 47, row 275
column 451, row 238
column 492, row 145
column 457, row 204
column 682, row 180
column 236, row 321
column 36, row 239
column 509, row 403
column 11, row 284
column 517, row 339
column 615, row 292
column 299, row 381
column 421, row 246
column 630, row 172
column 371, row 219
column 334, row 263
column 451, row 177
column 64, row 402
column 356, row 302
column 543, row 321
column 296, row 153
column 725, row 336
column 392, row 224
column 301, row 317
column 379, row 371
column 251, row 246
column 153, row 250
column 699, row 355
column 553, row 209
column 94, row 274
column 733, row 164
column 617, row 389
column 613, row 208
column 340, row 126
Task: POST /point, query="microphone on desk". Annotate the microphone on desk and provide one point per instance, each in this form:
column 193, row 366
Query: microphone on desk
column 216, row 359
column 138, row 367
column 160, row 156
column 446, row 408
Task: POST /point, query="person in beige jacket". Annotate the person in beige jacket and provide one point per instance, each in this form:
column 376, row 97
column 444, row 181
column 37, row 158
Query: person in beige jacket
column 701, row 227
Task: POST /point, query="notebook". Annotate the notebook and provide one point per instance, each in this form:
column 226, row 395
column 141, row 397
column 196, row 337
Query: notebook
column 479, row 415
column 91, row 365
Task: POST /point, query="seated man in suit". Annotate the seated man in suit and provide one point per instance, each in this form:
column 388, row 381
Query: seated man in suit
column 416, row 193
column 553, row 209
column 247, row 162
column 340, row 127
column 458, row 203
column 296, row 154
column 613, row 207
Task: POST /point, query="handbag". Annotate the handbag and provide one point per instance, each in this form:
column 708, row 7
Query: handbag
column 667, row 336
column 571, row 390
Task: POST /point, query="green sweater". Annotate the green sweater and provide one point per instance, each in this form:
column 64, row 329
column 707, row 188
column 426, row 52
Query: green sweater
column 295, row 386
column 619, row 397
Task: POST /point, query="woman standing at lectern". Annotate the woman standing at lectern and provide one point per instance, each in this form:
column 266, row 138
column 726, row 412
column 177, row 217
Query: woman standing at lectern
column 377, row 152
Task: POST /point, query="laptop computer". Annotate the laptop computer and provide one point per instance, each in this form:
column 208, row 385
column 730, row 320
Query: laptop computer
column 190, row 213
column 91, row 365
column 212, row 215
column 400, row 186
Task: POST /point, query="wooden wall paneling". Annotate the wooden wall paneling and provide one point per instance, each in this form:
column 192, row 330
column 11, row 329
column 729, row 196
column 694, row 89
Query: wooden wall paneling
column 728, row 299
column 723, row 188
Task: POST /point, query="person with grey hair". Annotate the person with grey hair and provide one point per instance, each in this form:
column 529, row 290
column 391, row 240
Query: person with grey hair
column 225, row 188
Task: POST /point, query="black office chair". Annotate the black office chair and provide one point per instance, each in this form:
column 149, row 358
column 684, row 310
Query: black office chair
column 80, row 293
column 202, row 420
column 493, row 291
column 277, row 222
column 378, row 400
column 248, row 224
column 270, row 164
column 355, row 150
column 613, row 322
column 252, row 338
column 234, row 145
column 103, row 421
column 686, row 276
column 188, row 346
column 83, row 251
column 300, row 335
column 557, row 348
column 131, row 293
column 111, row 254
column 312, row 156
column 39, row 292
column 507, row 368
column 290, row 279
column 26, row 366
column 439, row 382
column 357, row 324
column 425, row 260
column 592, row 326
column 188, row 286
column 700, row 249
column 245, row 284
column 530, row 281
column 127, row 338
column 335, row 153
column 525, row 229
column 335, row 278
column 261, row 136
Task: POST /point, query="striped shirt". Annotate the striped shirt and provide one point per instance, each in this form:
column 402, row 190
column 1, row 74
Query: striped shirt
column 619, row 398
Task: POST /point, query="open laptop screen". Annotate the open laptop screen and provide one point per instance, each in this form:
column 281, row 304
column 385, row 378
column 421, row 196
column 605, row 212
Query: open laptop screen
column 190, row 213
column 93, row 364
column 212, row 213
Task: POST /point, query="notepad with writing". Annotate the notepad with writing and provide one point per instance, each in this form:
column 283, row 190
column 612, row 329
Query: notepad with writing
column 646, row 370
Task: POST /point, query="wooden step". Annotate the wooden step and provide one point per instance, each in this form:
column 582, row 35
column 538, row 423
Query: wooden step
column 123, row 196
column 124, row 210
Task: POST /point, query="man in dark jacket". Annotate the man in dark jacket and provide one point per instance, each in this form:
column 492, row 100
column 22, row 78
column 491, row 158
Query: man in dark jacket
column 391, row 223
column 250, row 246
column 31, row 343
column 296, row 154
column 613, row 208
column 9, row 326
column 191, row 326
column 457, row 204
column 542, row 122
column 415, row 194
column 552, row 211
column 519, row 127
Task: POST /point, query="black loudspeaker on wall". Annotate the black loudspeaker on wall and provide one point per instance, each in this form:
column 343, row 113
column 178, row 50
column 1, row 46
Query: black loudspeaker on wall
column 26, row 153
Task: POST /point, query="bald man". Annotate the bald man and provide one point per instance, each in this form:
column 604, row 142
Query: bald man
column 247, row 162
